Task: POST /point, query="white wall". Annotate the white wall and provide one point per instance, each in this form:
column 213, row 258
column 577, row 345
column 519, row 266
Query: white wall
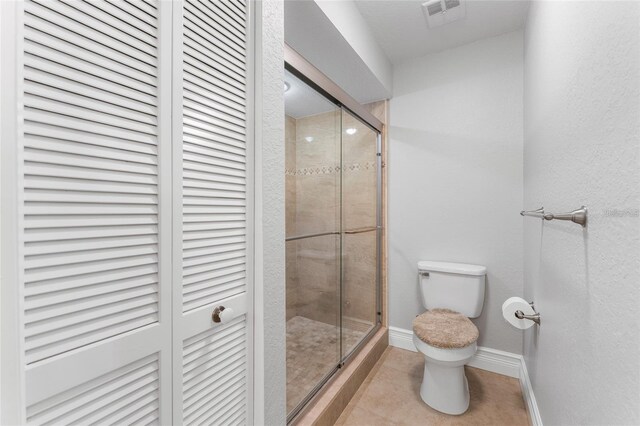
column 348, row 20
column 455, row 175
column 270, row 369
column 347, row 54
column 582, row 146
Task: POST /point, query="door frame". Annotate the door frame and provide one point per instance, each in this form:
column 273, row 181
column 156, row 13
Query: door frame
column 12, row 373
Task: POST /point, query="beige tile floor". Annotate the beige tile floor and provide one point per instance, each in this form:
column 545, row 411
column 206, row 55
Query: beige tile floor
column 390, row 396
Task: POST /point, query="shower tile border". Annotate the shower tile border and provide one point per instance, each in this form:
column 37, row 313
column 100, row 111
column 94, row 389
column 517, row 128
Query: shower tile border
column 329, row 170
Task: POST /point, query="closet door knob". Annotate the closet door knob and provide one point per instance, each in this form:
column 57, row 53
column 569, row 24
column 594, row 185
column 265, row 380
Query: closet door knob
column 222, row 315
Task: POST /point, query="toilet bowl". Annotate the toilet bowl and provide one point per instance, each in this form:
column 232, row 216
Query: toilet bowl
column 444, row 334
column 444, row 384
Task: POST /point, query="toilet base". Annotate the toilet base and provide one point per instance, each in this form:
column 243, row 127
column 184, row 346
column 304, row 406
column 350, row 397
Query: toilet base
column 445, row 388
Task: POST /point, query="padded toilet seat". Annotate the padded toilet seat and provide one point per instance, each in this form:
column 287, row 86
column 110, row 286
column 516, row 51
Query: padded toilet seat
column 445, row 329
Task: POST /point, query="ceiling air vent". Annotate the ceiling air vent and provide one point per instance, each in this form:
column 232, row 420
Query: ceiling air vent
column 440, row 12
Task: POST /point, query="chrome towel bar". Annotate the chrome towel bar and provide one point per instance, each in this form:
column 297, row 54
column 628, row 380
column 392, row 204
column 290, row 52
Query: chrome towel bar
column 534, row 213
column 578, row 216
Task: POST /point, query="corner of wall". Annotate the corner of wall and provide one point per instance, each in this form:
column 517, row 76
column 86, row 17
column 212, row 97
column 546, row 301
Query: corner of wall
column 269, row 274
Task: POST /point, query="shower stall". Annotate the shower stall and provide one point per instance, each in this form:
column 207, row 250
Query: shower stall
column 333, row 231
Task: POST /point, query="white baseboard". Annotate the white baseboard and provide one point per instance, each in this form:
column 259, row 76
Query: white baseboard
column 501, row 362
column 529, row 397
column 401, row 338
column 496, row 361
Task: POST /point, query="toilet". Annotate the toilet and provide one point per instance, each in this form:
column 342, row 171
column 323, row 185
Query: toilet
column 452, row 293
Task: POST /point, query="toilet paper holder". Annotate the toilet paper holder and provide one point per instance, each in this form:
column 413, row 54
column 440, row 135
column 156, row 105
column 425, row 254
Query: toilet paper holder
column 535, row 317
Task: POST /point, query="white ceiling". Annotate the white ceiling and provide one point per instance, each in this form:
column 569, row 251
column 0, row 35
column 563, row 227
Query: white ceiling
column 302, row 101
column 401, row 30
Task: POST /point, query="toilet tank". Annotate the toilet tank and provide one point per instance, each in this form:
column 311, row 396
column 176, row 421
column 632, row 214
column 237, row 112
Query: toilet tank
column 455, row 286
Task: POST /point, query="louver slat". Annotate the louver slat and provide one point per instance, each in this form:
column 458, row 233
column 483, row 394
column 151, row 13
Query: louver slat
column 214, row 211
column 136, row 383
column 214, row 373
column 102, row 28
column 61, row 38
column 134, row 10
column 214, row 151
column 108, row 72
column 90, row 176
column 41, row 17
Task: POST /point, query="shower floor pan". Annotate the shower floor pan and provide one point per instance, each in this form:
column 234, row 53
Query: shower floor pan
column 313, row 351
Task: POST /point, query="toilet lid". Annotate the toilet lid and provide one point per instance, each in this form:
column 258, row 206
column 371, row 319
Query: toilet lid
column 445, row 329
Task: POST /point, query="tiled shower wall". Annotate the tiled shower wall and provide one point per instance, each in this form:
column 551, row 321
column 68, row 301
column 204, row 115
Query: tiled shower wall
column 313, row 147
column 313, row 192
column 290, row 213
column 359, row 183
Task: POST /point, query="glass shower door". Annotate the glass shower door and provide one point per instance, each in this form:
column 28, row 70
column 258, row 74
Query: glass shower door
column 360, row 231
column 312, row 184
column 332, row 237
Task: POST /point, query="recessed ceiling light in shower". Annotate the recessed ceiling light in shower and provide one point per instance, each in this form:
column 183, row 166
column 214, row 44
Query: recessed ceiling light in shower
column 351, row 131
column 309, row 139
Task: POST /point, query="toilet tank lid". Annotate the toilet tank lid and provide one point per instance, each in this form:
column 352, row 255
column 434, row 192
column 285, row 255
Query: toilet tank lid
column 452, row 268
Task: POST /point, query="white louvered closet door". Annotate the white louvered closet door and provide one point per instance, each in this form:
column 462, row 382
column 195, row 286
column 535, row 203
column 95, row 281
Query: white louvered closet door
column 94, row 143
column 211, row 228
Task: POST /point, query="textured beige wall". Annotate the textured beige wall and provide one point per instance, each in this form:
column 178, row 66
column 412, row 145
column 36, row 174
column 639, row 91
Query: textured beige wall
column 317, row 176
column 359, row 183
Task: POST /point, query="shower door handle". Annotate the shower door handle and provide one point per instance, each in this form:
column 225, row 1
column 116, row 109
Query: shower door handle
column 361, row 230
column 319, row 234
